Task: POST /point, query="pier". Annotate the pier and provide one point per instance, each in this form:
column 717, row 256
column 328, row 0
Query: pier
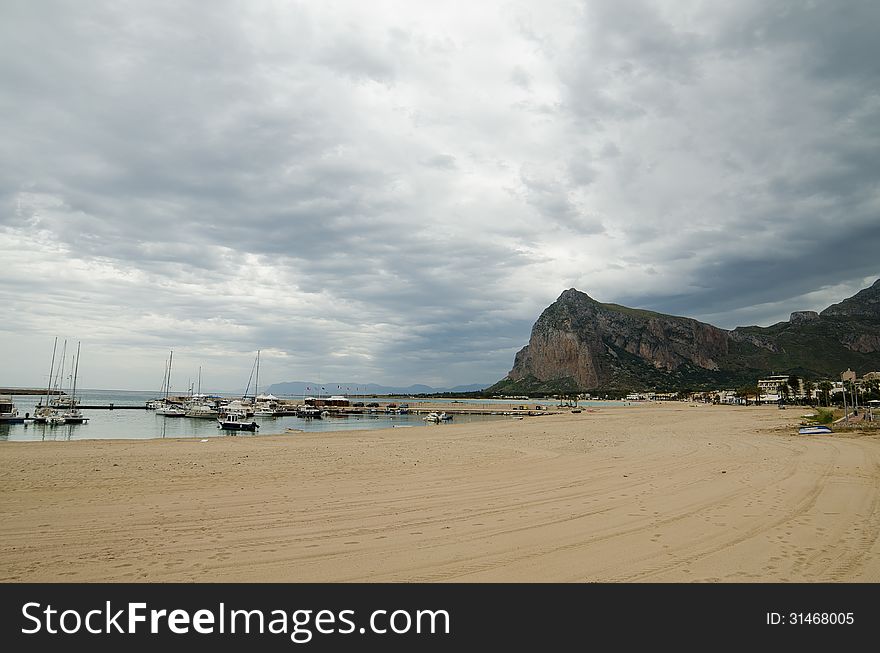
column 415, row 408
column 110, row 407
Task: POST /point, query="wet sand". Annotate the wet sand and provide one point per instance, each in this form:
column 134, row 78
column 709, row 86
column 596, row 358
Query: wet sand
column 669, row 492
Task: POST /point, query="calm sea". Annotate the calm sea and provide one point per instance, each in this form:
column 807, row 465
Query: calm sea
column 146, row 424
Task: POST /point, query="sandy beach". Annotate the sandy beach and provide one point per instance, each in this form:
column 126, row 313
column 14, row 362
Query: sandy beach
column 673, row 492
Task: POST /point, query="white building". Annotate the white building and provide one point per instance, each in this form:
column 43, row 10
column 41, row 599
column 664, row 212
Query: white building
column 769, row 387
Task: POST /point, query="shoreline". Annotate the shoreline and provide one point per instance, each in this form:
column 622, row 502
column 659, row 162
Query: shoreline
column 268, row 426
column 667, row 493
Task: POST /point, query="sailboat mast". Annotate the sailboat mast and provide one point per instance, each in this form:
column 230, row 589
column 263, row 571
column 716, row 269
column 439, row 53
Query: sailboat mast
column 168, row 382
column 51, row 370
column 75, row 372
column 59, row 376
column 164, row 380
column 257, row 381
column 254, row 367
column 200, row 379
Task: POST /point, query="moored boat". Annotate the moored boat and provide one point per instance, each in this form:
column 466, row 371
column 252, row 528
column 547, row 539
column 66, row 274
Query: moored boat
column 171, row 410
column 309, row 411
column 72, row 416
column 236, row 421
column 9, row 413
column 266, row 406
column 61, row 409
column 200, row 410
column 165, row 406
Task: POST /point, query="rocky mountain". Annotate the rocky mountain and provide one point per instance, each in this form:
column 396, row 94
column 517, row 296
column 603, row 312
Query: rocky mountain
column 581, row 344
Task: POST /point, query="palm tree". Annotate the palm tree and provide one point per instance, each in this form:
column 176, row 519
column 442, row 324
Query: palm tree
column 783, row 390
column 747, row 391
column 794, row 384
column 809, row 386
column 825, row 388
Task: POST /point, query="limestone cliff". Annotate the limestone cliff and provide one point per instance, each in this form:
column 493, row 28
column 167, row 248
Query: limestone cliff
column 590, row 342
column 579, row 344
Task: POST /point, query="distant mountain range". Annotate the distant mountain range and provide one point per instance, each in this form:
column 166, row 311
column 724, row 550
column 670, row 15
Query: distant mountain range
column 579, row 344
column 299, row 388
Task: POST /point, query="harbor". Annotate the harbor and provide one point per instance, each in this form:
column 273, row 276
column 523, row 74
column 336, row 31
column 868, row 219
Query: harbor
column 124, row 415
column 57, row 413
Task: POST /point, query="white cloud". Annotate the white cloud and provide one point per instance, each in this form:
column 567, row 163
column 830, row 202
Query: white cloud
column 393, row 191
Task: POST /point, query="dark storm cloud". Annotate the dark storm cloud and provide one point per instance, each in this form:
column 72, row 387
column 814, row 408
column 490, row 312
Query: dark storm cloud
column 395, row 192
column 747, row 147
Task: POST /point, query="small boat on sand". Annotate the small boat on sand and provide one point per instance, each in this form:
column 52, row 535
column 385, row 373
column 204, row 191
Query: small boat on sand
column 814, row 430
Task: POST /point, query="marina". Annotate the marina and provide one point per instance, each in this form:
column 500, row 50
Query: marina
column 124, row 415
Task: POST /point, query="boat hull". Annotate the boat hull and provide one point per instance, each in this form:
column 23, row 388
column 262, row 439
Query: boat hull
column 814, row 430
column 238, row 426
column 201, row 415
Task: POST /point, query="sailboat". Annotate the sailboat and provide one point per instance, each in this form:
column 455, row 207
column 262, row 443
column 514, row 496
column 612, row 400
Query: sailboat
column 169, row 409
column 72, row 414
column 154, row 404
column 43, row 412
column 234, row 416
column 264, row 405
column 200, row 406
column 60, row 410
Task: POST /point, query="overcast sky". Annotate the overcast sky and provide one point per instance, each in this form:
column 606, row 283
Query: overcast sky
column 392, row 192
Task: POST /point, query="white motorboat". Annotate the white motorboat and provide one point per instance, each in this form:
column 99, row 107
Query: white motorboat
column 309, row 411
column 171, row 410
column 202, row 411
column 8, row 412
